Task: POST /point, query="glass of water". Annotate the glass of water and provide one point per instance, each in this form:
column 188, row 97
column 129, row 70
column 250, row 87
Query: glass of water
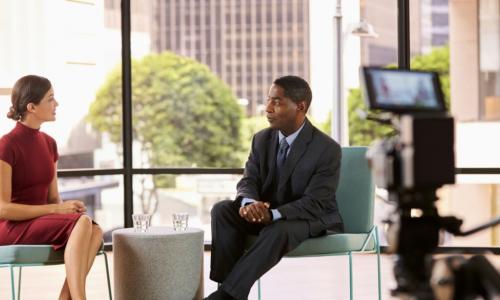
column 141, row 222
column 180, row 221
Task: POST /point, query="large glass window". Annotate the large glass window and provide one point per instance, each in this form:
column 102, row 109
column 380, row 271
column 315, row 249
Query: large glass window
column 432, row 25
column 382, row 50
column 489, row 59
column 475, row 199
column 200, row 85
column 200, row 75
column 205, row 74
column 429, row 40
column 378, row 42
column 70, row 43
column 102, row 195
column 163, row 195
column 5, row 126
column 475, row 88
column 67, row 42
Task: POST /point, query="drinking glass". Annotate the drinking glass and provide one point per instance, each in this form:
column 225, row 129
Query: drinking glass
column 141, row 222
column 180, row 221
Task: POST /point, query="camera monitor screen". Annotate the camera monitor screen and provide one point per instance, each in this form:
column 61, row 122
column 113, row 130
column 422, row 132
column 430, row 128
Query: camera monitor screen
column 403, row 91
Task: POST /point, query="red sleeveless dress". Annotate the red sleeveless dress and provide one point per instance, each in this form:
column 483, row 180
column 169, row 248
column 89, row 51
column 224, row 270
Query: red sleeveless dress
column 32, row 155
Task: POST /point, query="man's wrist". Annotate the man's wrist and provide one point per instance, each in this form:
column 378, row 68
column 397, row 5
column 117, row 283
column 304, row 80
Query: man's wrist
column 246, row 201
column 275, row 214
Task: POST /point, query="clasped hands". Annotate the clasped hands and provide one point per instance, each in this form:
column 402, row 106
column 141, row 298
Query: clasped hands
column 256, row 212
column 70, row 207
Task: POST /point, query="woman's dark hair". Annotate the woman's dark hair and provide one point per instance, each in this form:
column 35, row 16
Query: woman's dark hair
column 28, row 89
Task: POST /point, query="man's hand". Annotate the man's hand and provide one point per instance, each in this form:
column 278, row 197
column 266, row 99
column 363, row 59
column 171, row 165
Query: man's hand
column 256, row 212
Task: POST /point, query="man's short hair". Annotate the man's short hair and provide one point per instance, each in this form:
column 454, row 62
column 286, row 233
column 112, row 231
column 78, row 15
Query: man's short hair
column 295, row 88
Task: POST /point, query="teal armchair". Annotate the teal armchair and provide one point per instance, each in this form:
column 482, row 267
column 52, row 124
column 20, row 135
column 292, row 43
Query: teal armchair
column 20, row 256
column 355, row 197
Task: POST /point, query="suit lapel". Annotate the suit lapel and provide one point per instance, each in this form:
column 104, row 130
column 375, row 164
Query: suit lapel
column 271, row 160
column 299, row 146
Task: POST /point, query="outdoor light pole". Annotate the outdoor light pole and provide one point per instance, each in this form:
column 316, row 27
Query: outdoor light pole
column 362, row 29
column 337, row 122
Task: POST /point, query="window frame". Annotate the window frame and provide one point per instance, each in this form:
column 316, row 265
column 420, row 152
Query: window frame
column 128, row 171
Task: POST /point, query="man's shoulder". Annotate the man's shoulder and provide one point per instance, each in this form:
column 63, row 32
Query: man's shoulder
column 324, row 139
column 263, row 134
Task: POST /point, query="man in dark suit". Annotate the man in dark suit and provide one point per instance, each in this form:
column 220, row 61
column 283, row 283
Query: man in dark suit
column 286, row 195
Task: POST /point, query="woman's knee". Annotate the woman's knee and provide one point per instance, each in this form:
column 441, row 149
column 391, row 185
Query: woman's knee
column 84, row 223
column 86, row 220
column 97, row 232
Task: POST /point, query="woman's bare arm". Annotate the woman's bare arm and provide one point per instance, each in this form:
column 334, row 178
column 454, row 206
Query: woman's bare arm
column 53, row 195
column 19, row 212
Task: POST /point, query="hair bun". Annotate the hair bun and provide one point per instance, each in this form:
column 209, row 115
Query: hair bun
column 12, row 114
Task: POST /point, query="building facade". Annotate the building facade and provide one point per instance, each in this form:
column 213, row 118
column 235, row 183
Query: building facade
column 247, row 43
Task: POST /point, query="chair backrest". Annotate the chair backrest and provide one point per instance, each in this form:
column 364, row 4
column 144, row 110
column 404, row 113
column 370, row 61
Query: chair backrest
column 356, row 190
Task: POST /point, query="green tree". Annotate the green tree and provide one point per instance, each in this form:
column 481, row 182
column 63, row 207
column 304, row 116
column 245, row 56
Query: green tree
column 364, row 132
column 183, row 114
column 438, row 60
column 251, row 126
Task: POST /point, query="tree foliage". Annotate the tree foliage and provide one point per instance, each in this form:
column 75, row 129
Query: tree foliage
column 438, row 60
column 364, row 132
column 183, row 114
column 251, row 126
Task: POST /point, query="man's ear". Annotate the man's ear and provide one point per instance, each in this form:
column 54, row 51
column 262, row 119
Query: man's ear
column 302, row 106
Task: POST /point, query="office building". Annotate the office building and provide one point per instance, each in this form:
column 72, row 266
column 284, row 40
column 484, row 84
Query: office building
column 247, row 43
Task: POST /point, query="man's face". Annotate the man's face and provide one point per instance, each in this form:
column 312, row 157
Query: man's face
column 282, row 113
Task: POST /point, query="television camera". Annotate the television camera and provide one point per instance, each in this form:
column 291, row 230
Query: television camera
column 412, row 165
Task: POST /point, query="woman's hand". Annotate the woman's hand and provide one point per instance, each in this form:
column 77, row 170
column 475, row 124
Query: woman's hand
column 70, row 207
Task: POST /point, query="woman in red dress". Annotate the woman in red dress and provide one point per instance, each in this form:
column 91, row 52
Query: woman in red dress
column 31, row 210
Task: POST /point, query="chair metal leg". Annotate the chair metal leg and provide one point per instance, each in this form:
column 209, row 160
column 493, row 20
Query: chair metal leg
column 377, row 245
column 19, row 283
column 258, row 289
column 350, row 275
column 12, row 285
column 107, row 274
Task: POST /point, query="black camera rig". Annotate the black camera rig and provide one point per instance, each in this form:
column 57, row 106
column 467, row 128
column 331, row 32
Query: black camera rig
column 412, row 166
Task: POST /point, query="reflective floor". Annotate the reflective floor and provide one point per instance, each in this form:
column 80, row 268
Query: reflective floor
column 293, row 278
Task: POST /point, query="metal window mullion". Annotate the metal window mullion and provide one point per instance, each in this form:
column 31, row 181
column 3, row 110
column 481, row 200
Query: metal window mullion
column 127, row 113
column 404, row 34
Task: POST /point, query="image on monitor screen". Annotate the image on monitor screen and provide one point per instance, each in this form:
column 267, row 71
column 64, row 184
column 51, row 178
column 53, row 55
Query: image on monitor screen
column 402, row 90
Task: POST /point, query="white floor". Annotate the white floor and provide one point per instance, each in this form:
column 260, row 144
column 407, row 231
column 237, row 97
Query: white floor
column 293, row 278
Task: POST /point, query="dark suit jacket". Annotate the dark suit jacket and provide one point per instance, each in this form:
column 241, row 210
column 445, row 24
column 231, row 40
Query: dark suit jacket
column 308, row 181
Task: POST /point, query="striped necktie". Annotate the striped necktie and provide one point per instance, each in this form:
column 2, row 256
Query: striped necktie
column 283, row 149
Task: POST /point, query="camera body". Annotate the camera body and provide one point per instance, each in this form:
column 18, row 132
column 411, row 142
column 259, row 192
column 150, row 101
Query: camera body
column 421, row 157
column 412, row 166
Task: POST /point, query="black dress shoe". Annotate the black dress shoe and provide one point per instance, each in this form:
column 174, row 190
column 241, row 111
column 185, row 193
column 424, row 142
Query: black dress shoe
column 219, row 294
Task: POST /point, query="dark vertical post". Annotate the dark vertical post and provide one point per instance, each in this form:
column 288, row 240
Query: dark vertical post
column 127, row 113
column 404, row 34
